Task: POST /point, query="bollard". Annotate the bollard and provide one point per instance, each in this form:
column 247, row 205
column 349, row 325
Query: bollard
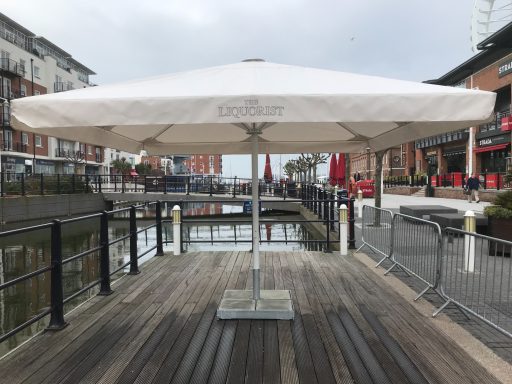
column 360, row 203
column 343, row 215
column 176, row 229
column 469, row 241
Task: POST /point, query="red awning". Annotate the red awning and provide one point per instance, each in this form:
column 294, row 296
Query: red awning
column 133, row 173
column 490, row 148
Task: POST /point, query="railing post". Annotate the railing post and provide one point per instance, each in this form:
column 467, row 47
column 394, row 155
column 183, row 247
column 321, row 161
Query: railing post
column 73, row 183
column 176, row 230
column 332, row 204
column 469, row 241
column 159, row 242
column 498, row 181
column 485, row 180
column 234, row 187
column 285, row 190
column 22, row 184
column 41, row 184
column 105, row 289
column 211, row 186
column 187, row 185
column 453, row 180
column 134, row 267
column 2, row 176
column 327, row 248
column 326, row 206
column 57, row 293
column 165, row 185
column 351, row 221
column 99, row 183
column 343, row 215
column 145, row 183
column 86, row 183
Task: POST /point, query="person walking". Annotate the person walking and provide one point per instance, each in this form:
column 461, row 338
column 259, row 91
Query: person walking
column 472, row 185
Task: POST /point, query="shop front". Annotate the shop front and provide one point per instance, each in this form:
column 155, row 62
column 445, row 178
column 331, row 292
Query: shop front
column 455, row 158
column 492, row 152
column 45, row 167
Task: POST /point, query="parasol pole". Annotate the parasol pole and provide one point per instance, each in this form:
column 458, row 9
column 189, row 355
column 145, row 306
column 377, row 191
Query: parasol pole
column 255, row 219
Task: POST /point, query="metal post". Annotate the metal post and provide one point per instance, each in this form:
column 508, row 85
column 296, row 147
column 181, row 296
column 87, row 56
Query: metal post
column 145, row 183
column 165, row 185
column 2, row 182
column 187, row 185
column 159, row 243
column 327, row 248
column 104, row 256
column 343, row 215
column 73, row 183
column 211, row 186
column 99, row 183
column 57, row 293
column 41, row 184
column 22, row 183
column 332, row 204
column 86, row 183
column 176, row 230
column 360, row 203
column 469, row 241
column 325, row 198
column 134, row 267
column 234, row 187
column 351, row 221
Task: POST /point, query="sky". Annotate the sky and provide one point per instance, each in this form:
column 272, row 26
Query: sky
column 127, row 39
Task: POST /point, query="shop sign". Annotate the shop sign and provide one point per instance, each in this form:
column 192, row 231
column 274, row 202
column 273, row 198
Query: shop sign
column 432, row 153
column 494, row 140
column 44, row 162
column 505, row 68
column 13, row 160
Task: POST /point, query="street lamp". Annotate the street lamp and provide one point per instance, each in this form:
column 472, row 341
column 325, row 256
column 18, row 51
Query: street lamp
column 368, row 173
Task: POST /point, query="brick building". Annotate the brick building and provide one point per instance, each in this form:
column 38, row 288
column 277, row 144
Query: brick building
column 31, row 65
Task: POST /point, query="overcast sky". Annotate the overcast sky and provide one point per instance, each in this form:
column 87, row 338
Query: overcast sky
column 126, row 39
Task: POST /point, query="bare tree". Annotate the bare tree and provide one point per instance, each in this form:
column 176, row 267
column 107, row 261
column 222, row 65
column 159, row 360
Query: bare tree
column 74, row 157
column 312, row 160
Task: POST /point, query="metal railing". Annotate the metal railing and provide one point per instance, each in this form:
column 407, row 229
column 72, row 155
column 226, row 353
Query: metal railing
column 56, row 309
column 22, row 184
column 476, row 276
column 405, row 181
column 488, row 180
column 416, row 248
column 377, row 231
column 470, row 270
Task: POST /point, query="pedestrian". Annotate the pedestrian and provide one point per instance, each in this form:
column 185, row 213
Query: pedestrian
column 472, row 186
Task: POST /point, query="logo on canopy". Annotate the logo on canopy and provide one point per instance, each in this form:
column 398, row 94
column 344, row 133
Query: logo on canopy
column 250, row 108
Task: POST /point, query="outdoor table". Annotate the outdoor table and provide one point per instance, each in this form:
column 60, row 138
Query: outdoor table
column 456, row 220
column 420, row 211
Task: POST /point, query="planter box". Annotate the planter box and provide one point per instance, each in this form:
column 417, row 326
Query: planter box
column 501, row 229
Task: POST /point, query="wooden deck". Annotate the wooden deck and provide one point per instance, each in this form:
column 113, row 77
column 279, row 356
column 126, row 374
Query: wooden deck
column 160, row 327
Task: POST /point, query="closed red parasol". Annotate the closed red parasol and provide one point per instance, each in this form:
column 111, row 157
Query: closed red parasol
column 267, row 174
column 340, row 172
column 332, row 170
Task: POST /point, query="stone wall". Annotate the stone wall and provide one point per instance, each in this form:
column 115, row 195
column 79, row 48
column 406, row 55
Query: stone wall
column 401, row 190
column 25, row 208
column 458, row 193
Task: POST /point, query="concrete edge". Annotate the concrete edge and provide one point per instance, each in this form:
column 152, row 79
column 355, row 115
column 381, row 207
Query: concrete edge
column 494, row 364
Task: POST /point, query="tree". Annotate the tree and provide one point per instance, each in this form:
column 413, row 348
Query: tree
column 379, row 155
column 290, row 169
column 312, row 160
column 121, row 166
column 143, row 169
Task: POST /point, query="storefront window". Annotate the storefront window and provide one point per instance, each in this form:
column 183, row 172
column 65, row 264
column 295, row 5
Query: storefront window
column 494, row 161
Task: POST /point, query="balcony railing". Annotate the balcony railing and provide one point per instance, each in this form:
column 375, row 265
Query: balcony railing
column 496, row 123
column 10, row 146
column 69, row 153
column 62, row 86
column 11, row 66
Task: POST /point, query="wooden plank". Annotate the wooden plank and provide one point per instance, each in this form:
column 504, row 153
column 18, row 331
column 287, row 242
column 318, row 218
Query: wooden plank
column 254, row 368
column 236, row 371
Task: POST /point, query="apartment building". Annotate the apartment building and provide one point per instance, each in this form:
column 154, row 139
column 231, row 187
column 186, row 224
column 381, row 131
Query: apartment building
column 31, row 65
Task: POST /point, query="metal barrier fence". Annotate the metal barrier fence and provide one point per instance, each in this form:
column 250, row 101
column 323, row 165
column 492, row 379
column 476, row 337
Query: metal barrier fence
column 377, row 230
column 470, row 270
column 476, row 276
column 416, row 248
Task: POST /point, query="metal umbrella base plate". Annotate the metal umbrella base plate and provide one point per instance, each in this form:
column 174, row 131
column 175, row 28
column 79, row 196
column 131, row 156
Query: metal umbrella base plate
column 272, row 305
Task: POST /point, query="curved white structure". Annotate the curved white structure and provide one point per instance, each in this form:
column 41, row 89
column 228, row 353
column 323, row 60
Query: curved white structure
column 488, row 17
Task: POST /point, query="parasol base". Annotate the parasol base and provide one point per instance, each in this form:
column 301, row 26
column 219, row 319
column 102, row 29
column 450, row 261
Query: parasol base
column 272, row 305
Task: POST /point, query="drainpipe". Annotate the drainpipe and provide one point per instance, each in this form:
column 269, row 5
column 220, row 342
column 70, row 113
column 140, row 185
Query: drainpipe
column 33, row 134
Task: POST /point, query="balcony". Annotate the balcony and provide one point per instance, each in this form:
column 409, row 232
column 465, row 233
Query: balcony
column 495, row 125
column 10, row 146
column 12, row 67
column 69, row 154
column 62, row 86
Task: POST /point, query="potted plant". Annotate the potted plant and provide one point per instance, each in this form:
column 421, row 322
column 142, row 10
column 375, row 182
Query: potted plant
column 500, row 217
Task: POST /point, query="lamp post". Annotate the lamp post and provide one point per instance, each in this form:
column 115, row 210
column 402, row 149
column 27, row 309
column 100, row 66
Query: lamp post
column 368, row 163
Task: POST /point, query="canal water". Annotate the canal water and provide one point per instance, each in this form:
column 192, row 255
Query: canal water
column 22, row 254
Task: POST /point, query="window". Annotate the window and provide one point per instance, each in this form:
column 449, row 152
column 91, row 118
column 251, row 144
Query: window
column 22, row 66
column 82, row 147
column 89, row 150
column 23, row 90
column 24, row 138
column 36, row 71
column 39, row 142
